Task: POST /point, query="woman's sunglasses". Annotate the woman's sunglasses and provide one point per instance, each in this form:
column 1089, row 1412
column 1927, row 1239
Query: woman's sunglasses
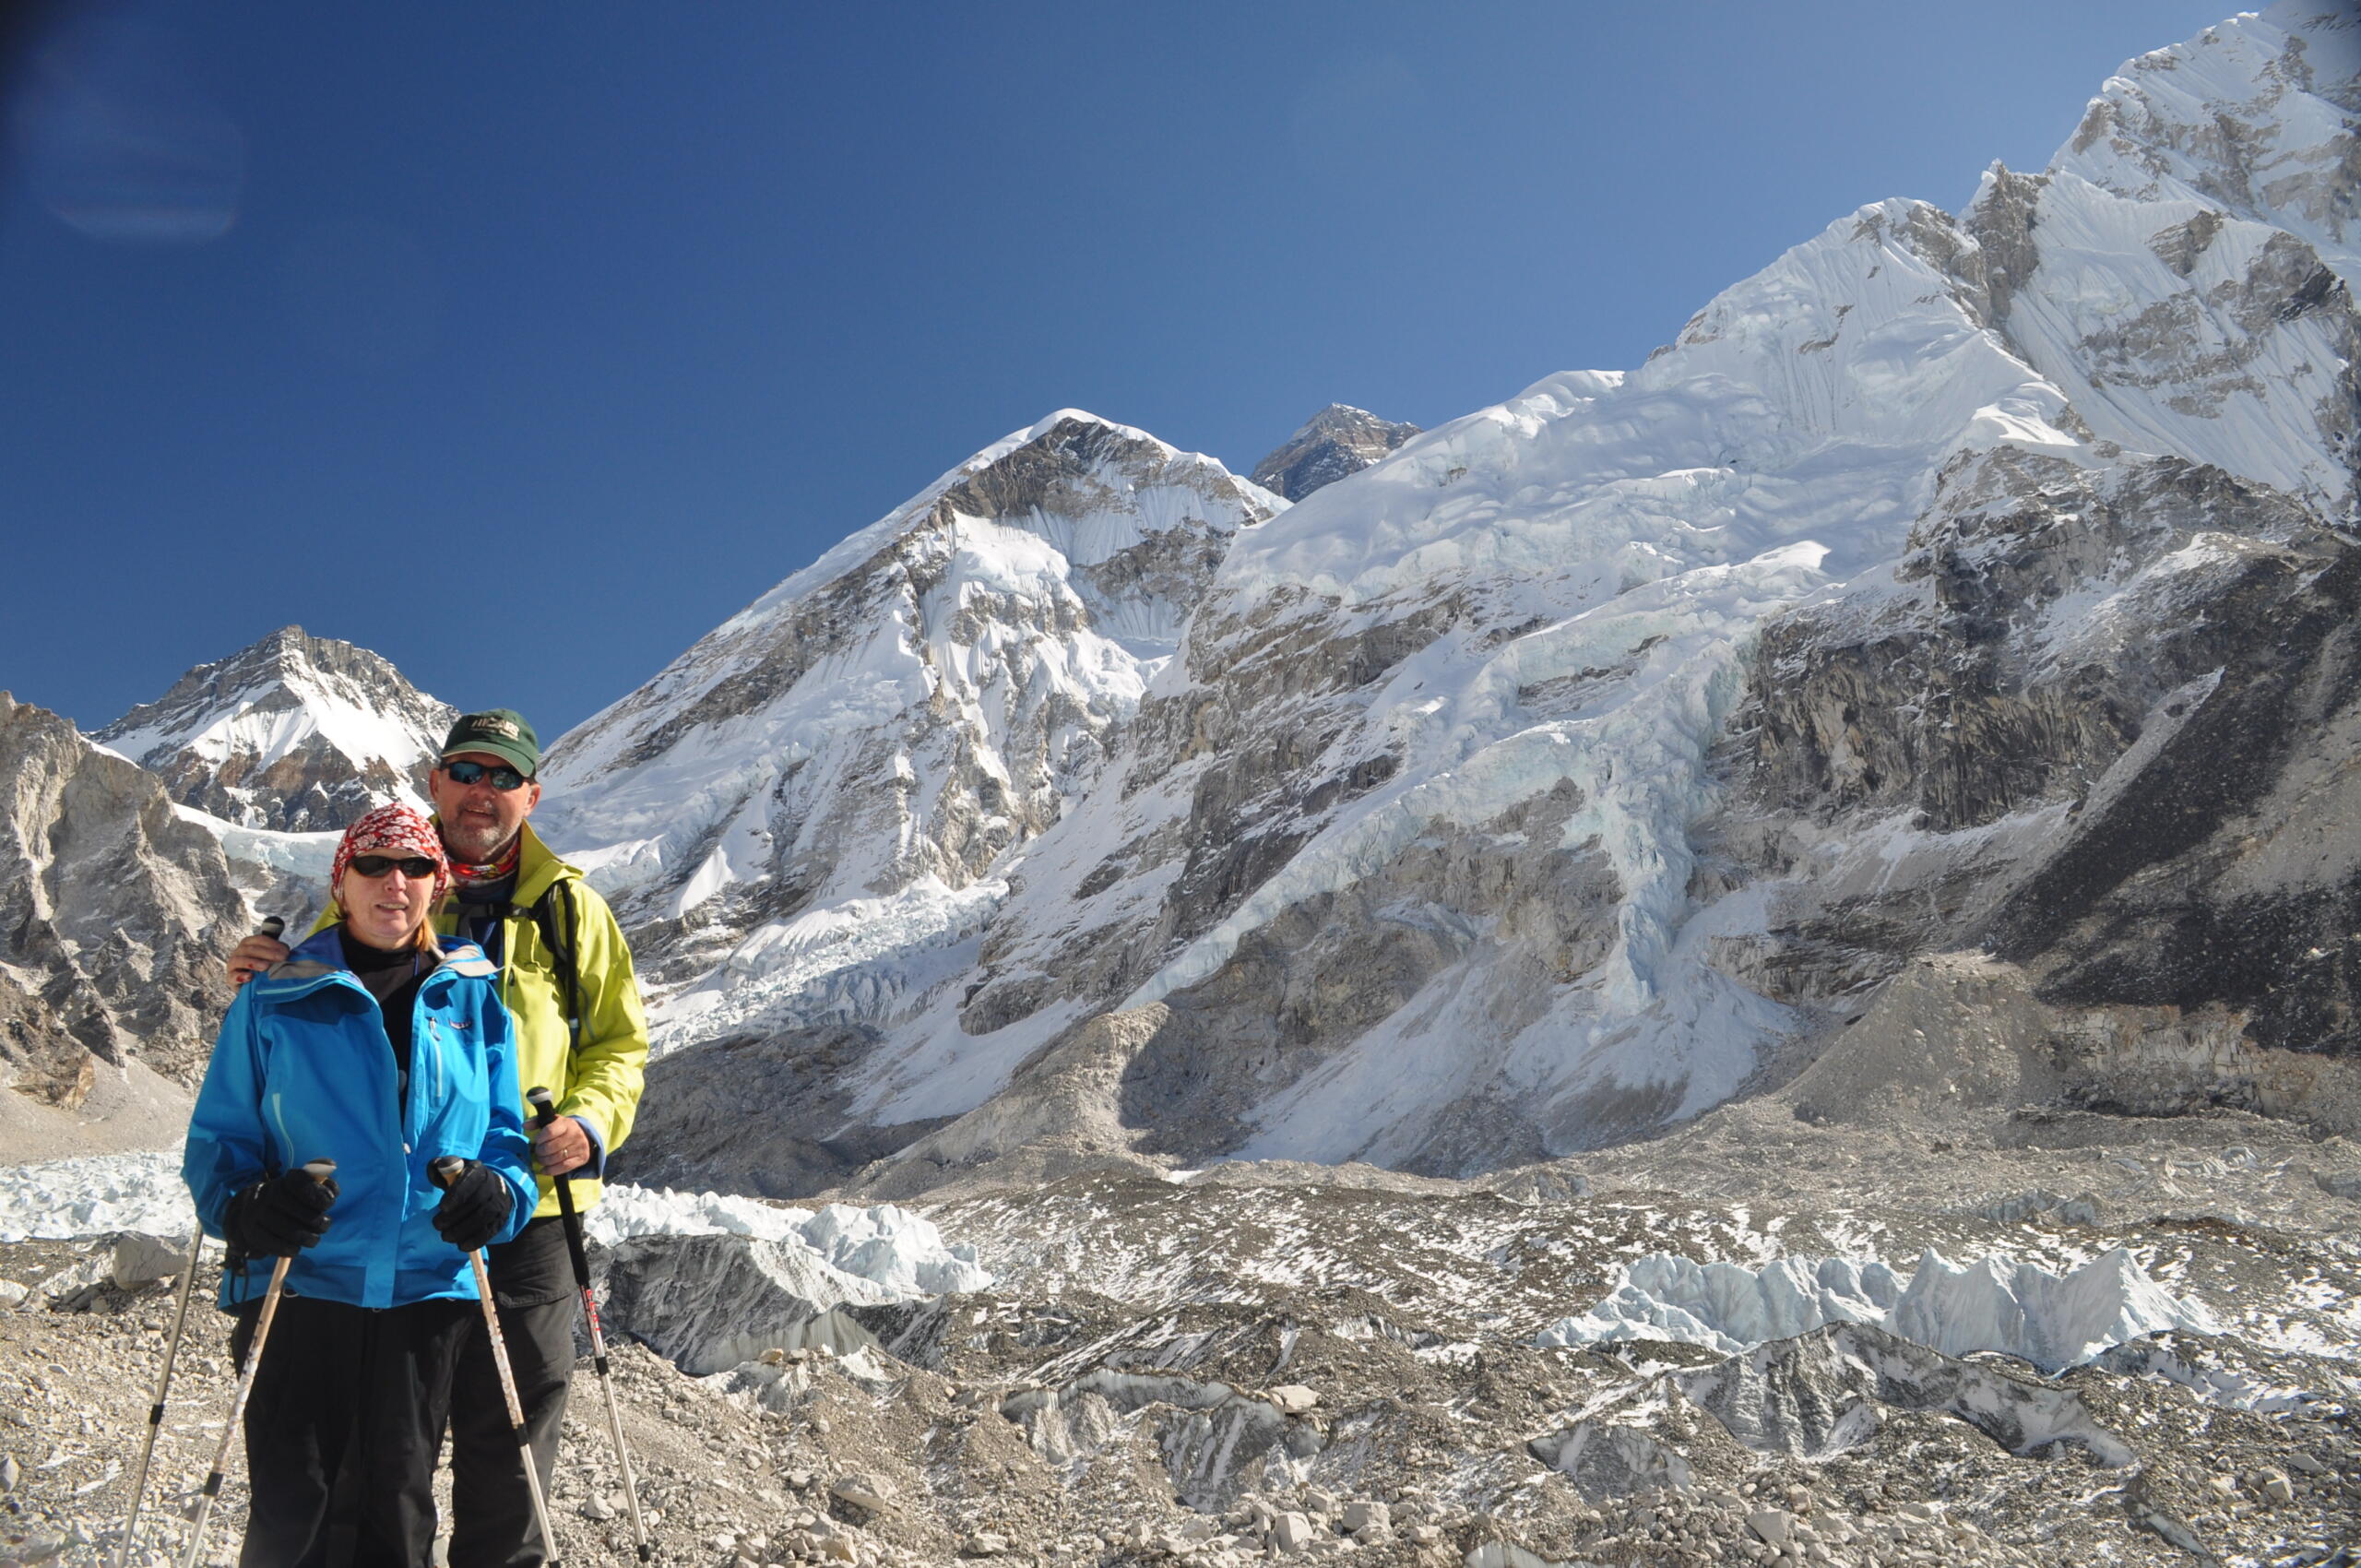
column 418, row 867
column 502, row 779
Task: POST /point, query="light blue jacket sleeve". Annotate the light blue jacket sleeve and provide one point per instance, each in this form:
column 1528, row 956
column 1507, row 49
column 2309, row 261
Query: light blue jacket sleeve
column 506, row 1148
column 228, row 1148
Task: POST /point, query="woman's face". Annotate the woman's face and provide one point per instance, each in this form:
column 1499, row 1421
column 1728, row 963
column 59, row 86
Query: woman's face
column 385, row 911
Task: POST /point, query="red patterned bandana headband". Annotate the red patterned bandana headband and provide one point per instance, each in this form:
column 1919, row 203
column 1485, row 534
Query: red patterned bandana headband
column 393, row 829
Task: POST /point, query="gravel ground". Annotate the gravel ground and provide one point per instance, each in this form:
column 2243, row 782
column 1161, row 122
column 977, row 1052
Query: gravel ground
column 1338, row 1363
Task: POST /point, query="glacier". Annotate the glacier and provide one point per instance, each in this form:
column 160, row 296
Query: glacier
column 2052, row 1321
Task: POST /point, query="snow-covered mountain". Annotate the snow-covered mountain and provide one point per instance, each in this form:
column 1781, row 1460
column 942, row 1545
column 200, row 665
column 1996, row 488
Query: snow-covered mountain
column 2184, row 267
column 1956, row 582
column 1515, row 793
column 2253, row 118
column 295, row 733
column 843, row 771
column 1337, row 440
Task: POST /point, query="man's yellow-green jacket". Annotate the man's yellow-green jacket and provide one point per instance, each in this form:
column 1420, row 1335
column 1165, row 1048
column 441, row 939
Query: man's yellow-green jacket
column 601, row 1082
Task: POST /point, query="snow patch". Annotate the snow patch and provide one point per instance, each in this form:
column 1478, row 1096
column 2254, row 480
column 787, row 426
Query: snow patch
column 2052, row 1321
column 69, row 1200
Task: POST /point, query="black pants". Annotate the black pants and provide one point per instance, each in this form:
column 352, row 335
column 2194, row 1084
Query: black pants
column 492, row 1512
column 343, row 1428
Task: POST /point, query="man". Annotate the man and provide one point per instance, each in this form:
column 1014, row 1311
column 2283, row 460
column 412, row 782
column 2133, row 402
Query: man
column 581, row 1032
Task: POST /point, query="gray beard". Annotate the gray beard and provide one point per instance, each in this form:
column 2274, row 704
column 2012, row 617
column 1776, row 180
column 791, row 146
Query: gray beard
column 462, row 849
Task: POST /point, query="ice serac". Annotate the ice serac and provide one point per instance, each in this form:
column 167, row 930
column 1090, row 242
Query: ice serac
column 115, row 916
column 295, row 733
column 809, row 817
column 1338, row 440
column 1996, row 1303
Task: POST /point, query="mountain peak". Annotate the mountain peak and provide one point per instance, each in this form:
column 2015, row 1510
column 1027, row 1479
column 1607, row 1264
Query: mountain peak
column 1337, row 440
column 890, row 721
column 292, row 731
column 2256, row 115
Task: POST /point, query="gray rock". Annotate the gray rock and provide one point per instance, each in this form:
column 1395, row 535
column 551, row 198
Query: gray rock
column 123, row 919
column 72, row 1289
column 140, row 1259
column 710, row 1302
column 862, row 1491
column 1291, row 1532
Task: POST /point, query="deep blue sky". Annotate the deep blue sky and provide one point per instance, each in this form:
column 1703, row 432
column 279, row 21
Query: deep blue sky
column 524, row 342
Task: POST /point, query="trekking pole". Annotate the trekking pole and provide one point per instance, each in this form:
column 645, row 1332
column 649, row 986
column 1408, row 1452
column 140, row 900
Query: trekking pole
column 445, row 1170
column 318, row 1170
column 163, row 1390
column 544, row 1112
column 271, row 926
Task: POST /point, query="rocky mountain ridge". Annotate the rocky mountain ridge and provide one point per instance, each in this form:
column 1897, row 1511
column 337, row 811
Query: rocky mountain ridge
column 119, row 916
column 294, row 734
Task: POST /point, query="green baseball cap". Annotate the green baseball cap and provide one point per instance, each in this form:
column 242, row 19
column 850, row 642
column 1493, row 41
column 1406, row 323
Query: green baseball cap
column 503, row 732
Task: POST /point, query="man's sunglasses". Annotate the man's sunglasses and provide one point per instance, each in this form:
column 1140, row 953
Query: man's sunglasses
column 502, row 779
column 418, row 867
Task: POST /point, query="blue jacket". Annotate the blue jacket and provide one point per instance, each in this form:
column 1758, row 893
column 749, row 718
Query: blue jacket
column 303, row 1070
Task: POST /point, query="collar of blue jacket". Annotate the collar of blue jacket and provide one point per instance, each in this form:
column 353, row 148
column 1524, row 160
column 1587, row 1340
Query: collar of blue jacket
column 321, row 955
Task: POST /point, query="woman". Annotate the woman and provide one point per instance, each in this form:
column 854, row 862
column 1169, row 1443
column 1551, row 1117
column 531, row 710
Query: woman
column 379, row 1047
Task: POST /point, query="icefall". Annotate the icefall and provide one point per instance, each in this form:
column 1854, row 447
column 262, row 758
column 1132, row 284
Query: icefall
column 2001, row 1303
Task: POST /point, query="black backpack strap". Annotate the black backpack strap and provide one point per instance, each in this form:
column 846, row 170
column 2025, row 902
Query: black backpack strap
column 558, row 935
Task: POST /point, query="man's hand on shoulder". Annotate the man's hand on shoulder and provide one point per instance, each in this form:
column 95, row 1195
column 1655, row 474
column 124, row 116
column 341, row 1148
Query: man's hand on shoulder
column 254, row 956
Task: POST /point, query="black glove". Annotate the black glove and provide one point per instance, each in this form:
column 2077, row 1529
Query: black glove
column 473, row 1208
column 278, row 1216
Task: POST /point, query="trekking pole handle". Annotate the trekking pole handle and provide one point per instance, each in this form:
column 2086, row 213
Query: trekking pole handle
column 446, row 1170
column 319, row 1170
column 545, row 1112
column 271, row 926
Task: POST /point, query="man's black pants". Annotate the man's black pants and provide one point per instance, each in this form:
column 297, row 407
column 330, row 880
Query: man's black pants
column 343, row 1428
column 492, row 1510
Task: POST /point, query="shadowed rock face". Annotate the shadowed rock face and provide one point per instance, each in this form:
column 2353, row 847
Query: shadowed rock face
column 115, row 915
column 1340, row 440
column 695, row 1110
column 299, row 734
column 1990, row 680
column 2166, row 660
column 2225, row 871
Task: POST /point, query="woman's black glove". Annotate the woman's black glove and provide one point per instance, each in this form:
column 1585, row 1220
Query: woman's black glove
column 474, row 1207
column 278, row 1216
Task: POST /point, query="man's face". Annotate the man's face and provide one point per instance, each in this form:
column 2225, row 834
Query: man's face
column 478, row 820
